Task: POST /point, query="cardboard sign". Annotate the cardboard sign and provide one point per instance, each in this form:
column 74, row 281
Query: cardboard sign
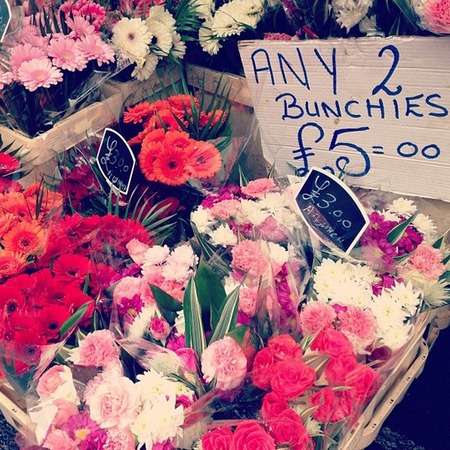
column 5, row 18
column 375, row 109
column 116, row 161
column 331, row 210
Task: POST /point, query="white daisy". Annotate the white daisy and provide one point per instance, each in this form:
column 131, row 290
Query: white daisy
column 179, row 46
column 131, row 37
column 224, row 22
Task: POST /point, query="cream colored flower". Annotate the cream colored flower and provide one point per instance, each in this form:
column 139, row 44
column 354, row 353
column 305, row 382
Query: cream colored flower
column 131, row 37
column 144, row 69
column 350, row 12
column 162, row 41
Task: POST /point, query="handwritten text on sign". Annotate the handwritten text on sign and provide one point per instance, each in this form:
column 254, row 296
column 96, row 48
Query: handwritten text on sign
column 116, row 161
column 375, row 109
column 331, row 209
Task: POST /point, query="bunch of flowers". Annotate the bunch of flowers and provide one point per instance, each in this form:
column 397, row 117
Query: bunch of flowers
column 109, row 410
column 53, row 60
column 229, row 19
column 353, row 18
column 147, row 33
column 401, row 242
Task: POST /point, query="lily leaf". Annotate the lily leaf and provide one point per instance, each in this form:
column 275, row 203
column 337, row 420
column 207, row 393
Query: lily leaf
column 440, row 242
column 195, row 335
column 228, row 315
column 73, row 319
column 397, row 232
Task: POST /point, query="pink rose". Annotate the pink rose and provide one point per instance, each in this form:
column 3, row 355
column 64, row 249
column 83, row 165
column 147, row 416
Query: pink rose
column 332, row 342
column 114, row 403
column 225, row 361
column 273, row 405
column 159, row 328
column 292, row 377
column 189, row 358
column 284, row 347
column 337, row 369
column 97, row 349
column 251, row 435
column 65, row 410
column 52, row 379
column 262, row 368
column 59, row 440
column 288, row 431
column 325, row 401
column 217, row 439
column 137, row 249
column 344, row 407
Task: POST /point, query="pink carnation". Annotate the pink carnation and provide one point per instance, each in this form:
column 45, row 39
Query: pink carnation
column 159, row 328
column 247, row 300
column 259, row 188
column 127, row 287
column 272, row 231
column 119, row 440
column 437, row 15
column 316, row 316
column 225, row 209
column 427, row 260
column 97, row 349
column 225, row 361
column 65, row 410
column 360, row 326
column 249, row 257
column 278, row 37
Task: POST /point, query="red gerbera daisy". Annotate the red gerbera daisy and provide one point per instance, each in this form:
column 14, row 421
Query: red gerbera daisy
column 11, row 299
column 52, row 318
column 71, row 268
column 170, row 166
column 205, row 161
column 8, row 164
column 182, row 104
column 24, row 282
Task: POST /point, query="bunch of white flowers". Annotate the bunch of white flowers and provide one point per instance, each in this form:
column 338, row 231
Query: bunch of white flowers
column 350, row 12
column 144, row 42
column 231, row 19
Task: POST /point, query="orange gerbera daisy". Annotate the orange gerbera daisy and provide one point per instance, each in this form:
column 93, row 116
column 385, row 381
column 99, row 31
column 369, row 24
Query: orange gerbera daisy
column 170, row 166
column 11, row 263
column 178, row 139
column 147, row 158
column 154, row 136
column 205, row 160
column 27, row 238
column 7, row 220
column 214, row 116
column 15, row 203
column 163, row 118
column 182, row 103
column 137, row 113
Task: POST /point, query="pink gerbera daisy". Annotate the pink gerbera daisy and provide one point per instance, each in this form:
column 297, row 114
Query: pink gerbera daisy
column 5, row 79
column 65, row 55
column 38, row 73
column 96, row 49
column 80, row 27
column 24, row 52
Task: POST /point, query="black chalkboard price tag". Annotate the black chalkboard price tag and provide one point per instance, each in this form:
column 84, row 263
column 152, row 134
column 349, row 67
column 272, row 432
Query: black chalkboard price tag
column 116, row 160
column 331, row 210
column 5, row 18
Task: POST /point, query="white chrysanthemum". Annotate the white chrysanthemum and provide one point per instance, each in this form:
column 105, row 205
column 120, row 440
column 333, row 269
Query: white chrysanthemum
column 230, row 284
column 406, row 296
column 162, row 41
column 278, row 253
column 140, row 323
column 350, row 12
column 425, row 225
column 389, row 215
column 131, row 37
column 395, row 337
column 436, row 293
column 145, row 68
column 273, row 201
column 224, row 236
column 153, row 386
column 176, row 272
column 208, row 40
column 202, row 220
column 289, row 219
column 179, row 46
column 156, row 255
column 225, row 23
column 388, row 312
column 250, row 212
column 183, row 255
column 160, row 14
column 403, row 207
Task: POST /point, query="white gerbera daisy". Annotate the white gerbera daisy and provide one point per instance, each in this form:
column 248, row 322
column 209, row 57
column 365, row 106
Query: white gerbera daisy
column 179, row 46
column 160, row 14
column 203, row 8
column 145, row 68
column 208, row 39
column 162, row 41
column 131, row 37
column 225, row 23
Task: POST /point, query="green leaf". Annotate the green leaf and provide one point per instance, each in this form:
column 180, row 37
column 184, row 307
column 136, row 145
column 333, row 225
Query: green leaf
column 194, row 332
column 440, row 242
column 238, row 334
column 397, row 232
column 243, row 180
column 405, row 7
column 74, row 319
column 211, row 293
column 227, row 320
column 165, row 300
column 445, row 276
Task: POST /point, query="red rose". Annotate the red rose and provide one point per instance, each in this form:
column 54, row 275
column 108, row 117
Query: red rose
column 217, row 439
column 338, row 368
column 250, row 435
column 325, row 400
column 262, row 368
column 332, row 342
column 288, row 430
column 273, row 405
column 284, row 347
column 364, row 381
column 291, row 378
column 344, row 407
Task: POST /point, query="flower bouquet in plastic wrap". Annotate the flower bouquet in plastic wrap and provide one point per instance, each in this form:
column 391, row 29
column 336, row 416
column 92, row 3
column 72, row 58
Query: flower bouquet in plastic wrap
column 54, row 65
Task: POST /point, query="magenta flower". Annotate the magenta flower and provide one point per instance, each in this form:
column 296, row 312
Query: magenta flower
column 38, row 73
column 79, row 427
column 66, row 55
